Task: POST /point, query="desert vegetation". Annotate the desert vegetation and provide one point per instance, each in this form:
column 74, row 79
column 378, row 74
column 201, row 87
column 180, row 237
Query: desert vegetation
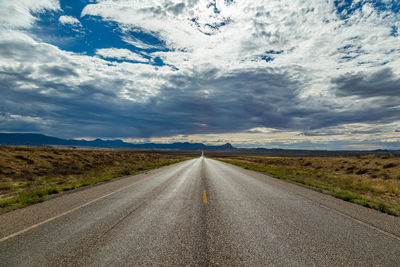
column 370, row 180
column 28, row 175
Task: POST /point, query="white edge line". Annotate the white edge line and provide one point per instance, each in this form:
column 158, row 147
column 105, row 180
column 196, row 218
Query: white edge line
column 362, row 223
column 326, row 207
column 65, row 213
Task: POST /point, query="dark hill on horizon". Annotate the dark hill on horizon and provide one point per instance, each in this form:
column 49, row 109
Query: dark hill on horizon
column 33, row 139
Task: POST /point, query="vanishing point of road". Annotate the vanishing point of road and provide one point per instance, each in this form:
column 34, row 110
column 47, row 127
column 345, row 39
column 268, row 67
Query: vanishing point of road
column 200, row 212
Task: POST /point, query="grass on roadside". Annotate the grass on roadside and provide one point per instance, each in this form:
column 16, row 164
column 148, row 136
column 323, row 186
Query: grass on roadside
column 29, row 175
column 372, row 182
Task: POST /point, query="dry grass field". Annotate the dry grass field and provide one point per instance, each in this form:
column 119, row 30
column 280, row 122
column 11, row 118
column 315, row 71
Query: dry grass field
column 28, row 175
column 369, row 180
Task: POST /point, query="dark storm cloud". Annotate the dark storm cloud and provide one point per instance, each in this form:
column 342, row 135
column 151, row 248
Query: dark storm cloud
column 236, row 102
column 381, row 111
column 41, row 97
column 206, row 102
column 382, row 88
column 379, row 83
column 199, row 103
column 64, row 110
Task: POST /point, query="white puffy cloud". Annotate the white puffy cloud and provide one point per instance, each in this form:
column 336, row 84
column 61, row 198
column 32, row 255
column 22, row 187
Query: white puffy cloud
column 308, row 32
column 18, row 13
column 68, row 20
column 139, row 43
column 121, row 54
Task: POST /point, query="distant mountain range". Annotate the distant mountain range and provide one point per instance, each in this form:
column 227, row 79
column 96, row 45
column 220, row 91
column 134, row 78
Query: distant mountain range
column 30, row 139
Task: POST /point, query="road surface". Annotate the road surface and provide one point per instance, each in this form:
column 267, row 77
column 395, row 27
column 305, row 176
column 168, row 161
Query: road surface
column 199, row 212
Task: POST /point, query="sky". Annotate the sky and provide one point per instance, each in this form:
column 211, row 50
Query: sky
column 304, row 74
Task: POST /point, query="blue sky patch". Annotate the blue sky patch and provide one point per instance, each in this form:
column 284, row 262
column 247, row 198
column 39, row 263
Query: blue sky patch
column 274, row 52
column 92, row 33
column 267, row 58
column 346, row 8
column 395, row 31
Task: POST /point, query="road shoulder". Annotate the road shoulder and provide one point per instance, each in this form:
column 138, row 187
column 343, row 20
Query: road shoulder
column 369, row 217
column 26, row 218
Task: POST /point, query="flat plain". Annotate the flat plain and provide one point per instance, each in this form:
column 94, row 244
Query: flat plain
column 28, row 175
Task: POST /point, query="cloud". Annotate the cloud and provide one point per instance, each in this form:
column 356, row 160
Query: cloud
column 230, row 33
column 140, row 44
column 303, row 73
column 211, row 101
column 58, row 71
column 84, row 94
column 18, row 13
column 120, row 54
column 20, row 47
column 65, row 20
column 381, row 83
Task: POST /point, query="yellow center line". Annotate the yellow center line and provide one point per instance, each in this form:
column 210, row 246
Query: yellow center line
column 205, row 196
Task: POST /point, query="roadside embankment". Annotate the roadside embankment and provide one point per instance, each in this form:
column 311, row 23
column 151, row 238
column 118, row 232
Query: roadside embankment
column 29, row 174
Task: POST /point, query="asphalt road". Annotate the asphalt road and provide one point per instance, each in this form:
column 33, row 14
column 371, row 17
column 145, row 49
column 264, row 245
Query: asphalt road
column 197, row 213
